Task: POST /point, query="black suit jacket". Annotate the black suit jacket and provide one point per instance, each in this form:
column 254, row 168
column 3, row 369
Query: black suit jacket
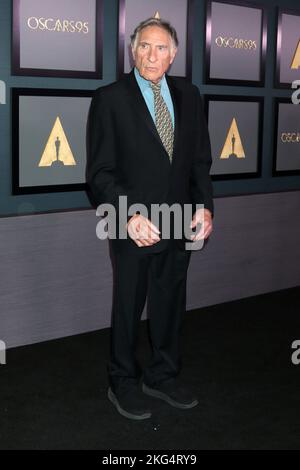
column 125, row 155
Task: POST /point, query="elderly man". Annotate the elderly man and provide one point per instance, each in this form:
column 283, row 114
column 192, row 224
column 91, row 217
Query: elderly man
column 147, row 139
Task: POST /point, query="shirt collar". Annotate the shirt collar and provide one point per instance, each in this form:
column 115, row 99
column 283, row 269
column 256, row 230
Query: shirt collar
column 145, row 84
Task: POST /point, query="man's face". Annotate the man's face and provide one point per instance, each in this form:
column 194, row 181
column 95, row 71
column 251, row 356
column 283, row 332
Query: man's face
column 154, row 53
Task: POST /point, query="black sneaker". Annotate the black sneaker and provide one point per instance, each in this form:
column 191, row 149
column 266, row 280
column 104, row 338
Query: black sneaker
column 130, row 403
column 173, row 393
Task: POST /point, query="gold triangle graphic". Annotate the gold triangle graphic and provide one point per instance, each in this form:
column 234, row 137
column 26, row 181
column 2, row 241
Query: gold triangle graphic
column 157, row 15
column 57, row 149
column 233, row 145
column 296, row 58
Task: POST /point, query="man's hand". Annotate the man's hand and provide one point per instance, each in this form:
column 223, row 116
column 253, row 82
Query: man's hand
column 202, row 215
column 142, row 231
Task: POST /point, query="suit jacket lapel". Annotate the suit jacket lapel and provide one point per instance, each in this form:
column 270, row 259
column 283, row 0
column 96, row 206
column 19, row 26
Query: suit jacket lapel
column 177, row 104
column 140, row 105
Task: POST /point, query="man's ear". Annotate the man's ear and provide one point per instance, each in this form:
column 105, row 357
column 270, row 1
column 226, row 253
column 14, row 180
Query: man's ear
column 133, row 53
column 173, row 55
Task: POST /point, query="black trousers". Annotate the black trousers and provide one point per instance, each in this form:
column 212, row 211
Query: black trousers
column 161, row 279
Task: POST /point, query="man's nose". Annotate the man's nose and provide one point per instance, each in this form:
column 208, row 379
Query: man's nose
column 152, row 57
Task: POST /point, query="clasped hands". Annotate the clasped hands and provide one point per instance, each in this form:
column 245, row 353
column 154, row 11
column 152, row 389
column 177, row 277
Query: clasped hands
column 144, row 233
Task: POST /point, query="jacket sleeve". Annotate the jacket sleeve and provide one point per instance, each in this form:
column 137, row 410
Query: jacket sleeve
column 101, row 153
column 200, row 181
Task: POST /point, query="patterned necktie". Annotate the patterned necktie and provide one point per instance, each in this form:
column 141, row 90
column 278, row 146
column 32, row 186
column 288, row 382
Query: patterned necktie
column 163, row 120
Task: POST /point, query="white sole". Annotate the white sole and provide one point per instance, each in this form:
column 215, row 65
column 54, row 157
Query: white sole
column 112, row 397
column 162, row 396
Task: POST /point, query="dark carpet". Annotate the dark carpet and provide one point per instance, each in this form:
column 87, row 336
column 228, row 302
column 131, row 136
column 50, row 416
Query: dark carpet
column 236, row 356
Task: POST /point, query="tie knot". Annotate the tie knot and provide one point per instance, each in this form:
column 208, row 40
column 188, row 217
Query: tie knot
column 156, row 88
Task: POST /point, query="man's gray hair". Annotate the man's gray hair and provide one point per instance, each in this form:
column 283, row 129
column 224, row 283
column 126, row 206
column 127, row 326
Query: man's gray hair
column 154, row 22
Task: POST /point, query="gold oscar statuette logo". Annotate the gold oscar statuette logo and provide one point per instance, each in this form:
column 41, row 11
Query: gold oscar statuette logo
column 157, row 15
column 57, row 151
column 233, row 146
column 296, row 58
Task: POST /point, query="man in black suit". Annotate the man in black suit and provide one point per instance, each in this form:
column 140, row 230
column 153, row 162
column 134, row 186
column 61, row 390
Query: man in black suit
column 147, row 139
